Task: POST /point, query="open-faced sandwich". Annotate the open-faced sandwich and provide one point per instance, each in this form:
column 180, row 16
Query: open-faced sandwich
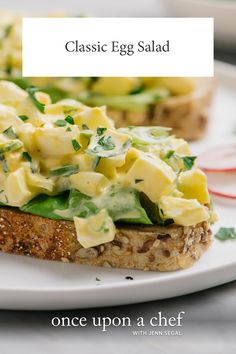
column 74, row 188
column 176, row 102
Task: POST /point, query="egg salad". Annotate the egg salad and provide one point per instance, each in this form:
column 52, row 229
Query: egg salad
column 67, row 161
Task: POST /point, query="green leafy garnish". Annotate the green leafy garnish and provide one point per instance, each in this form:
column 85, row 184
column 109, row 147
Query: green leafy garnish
column 69, row 129
column 100, row 130
column 26, row 156
column 61, row 123
column 85, row 127
column 75, row 145
column 10, row 133
column 3, row 163
column 65, row 171
column 168, row 222
column 189, row 161
column 70, row 120
column 11, row 146
column 106, row 142
column 138, row 180
column 169, row 154
column 32, row 91
column 226, row 233
column 23, row 117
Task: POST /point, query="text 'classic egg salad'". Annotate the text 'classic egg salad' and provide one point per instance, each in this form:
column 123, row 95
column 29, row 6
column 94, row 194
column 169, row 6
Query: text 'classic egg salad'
column 67, row 161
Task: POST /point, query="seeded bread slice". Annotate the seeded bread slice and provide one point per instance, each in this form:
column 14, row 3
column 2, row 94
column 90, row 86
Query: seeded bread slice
column 187, row 114
column 138, row 247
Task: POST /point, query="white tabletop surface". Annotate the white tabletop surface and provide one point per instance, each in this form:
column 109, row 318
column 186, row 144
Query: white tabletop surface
column 209, row 325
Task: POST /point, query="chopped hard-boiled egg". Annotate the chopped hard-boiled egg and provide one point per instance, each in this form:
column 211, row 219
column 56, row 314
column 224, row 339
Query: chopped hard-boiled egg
column 95, row 230
column 151, row 176
column 183, row 212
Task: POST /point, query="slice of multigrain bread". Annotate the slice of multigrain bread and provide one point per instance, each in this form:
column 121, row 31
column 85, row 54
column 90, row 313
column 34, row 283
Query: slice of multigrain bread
column 187, row 115
column 138, row 247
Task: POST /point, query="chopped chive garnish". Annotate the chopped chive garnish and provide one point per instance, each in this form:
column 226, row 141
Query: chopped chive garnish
column 69, row 129
column 226, row 233
column 26, row 156
column 138, row 180
column 85, row 127
column 10, row 133
column 32, row 91
column 70, row 119
column 75, row 145
column 101, row 130
column 11, row 146
column 189, row 161
column 169, row 154
column 23, row 117
column 3, row 162
column 65, row 171
column 106, row 142
column 96, row 162
column 61, row 123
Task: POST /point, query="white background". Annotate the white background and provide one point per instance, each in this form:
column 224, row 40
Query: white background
column 191, row 46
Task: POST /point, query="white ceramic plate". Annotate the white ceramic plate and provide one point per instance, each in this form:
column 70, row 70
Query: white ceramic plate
column 33, row 284
column 223, row 11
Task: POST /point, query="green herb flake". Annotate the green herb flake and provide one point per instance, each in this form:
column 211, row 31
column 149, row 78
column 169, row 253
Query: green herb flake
column 226, row 233
column 3, row 162
column 106, row 142
column 189, row 161
column 61, row 123
column 11, row 146
column 96, row 162
column 32, row 91
column 138, row 180
column 26, row 156
column 75, row 145
column 168, row 222
column 97, row 279
column 85, row 127
column 10, row 133
column 65, row 171
column 69, row 129
column 69, row 119
column 169, row 154
column 23, row 117
column 100, row 130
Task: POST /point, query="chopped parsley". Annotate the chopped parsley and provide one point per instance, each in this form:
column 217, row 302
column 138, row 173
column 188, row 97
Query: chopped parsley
column 137, row 180
column 26, row 156
column 23, row 117
column 11, row 146
column 10, row 133
column 169, row 154
column 106, row 142
column 189, row 161
column 32, row 91
column 101, row 130
column 69, row 129
column 95, row 162
column 85, row 127
column 70, row 120
column 226, row 233
column 168, row 222
column 3, row 162
column 65, row 171
column 75, row 145
column 61, row 123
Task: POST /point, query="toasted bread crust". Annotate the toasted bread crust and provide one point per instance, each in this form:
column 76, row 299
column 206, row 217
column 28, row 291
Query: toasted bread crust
column 187, row 115
column 139, row 247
